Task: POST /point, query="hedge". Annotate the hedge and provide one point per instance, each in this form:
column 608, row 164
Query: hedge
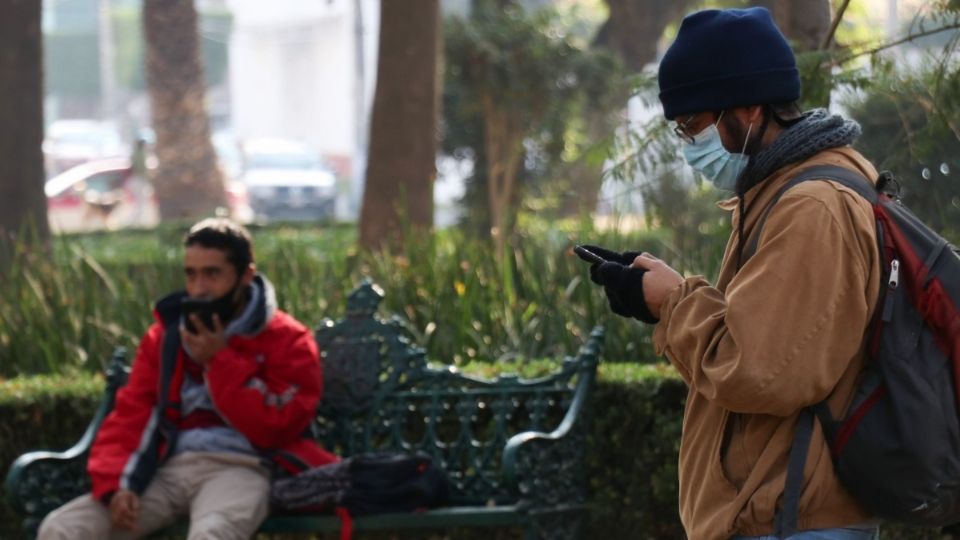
column 632, row 463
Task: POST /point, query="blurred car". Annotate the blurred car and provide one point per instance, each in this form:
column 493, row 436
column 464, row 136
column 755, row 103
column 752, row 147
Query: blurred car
column 287, row 181
column 105, row 194
column 228, row 154
column 68, row 143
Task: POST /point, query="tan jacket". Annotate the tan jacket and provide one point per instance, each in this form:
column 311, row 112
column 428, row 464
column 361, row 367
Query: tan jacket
column 784, row 332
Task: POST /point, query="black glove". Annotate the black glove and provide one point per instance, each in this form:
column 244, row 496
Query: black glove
column 622, row 283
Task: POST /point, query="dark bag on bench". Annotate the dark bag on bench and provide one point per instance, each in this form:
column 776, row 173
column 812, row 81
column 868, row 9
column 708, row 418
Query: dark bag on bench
column 372, row 483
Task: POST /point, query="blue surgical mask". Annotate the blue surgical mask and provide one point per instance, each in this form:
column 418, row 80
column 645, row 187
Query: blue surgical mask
column 707, row 156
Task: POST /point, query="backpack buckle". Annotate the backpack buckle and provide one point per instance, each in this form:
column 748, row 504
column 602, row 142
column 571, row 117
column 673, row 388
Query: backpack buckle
column 888, row 184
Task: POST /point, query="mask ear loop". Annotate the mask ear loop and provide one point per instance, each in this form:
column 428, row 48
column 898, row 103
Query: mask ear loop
column 746, row 139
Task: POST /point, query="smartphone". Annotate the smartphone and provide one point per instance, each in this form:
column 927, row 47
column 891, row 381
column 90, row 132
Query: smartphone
column 201, row 307
column 589, row 255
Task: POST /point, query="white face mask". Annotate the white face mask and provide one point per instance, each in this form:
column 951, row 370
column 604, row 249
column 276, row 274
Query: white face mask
column 707, row 156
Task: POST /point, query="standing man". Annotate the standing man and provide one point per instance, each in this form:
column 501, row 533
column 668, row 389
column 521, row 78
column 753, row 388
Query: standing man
column 140, row 181
column 223, row 389
column 784, row 326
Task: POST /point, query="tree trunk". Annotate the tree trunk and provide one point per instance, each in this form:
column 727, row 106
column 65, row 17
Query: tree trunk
column 188, row 181
column 504, row 148
column 635, row 26
column 804, row 23
column 23, row 205
column 402, row 165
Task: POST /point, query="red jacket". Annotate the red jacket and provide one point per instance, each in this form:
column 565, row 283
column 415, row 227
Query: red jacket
column 266, row 386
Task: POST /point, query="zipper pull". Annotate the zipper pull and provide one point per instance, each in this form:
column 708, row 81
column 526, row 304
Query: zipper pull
column 894, row 274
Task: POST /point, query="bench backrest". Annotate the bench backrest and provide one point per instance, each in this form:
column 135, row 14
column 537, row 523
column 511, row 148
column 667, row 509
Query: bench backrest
column 380, row 394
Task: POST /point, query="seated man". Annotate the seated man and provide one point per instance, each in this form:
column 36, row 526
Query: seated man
column 208, row 413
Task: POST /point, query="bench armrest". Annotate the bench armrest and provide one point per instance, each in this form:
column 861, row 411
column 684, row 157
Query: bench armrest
column 547, row 469
column 40, row 481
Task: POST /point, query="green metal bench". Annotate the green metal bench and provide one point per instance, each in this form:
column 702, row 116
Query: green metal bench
column 512, row 448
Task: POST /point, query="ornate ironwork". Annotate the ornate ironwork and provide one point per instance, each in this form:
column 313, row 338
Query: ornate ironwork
column 363, row 355
column 380, row 394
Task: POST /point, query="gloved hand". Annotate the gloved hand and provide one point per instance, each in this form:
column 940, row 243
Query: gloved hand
column 622, row 283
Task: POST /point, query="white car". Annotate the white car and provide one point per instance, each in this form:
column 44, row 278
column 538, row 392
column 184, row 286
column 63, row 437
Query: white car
column 104, row 194
column 68, row 143
column 287, row 180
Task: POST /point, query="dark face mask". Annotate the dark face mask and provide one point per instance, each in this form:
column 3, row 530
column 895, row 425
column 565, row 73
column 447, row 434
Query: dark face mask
column 224, row 307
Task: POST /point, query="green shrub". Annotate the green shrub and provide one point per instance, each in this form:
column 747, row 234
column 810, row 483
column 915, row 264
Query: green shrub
column 632, row 467
column 42, row 412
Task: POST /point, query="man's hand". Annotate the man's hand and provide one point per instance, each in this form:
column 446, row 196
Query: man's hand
column 658, row 281
column 624, row 288
column 124, row 509
column 206, row 342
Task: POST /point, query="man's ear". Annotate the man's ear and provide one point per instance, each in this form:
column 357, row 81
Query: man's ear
column 752, row 114
column 247, row 277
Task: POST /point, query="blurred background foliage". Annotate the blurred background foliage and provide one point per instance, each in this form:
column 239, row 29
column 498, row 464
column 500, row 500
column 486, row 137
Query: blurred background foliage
column 531, row 104
column 911, row 126
column 564, row 85
column 67, row 311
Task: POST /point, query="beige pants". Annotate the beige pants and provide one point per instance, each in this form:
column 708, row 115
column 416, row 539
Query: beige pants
column 227, row 496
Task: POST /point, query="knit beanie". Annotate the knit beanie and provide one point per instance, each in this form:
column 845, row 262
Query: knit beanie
column 727, row 58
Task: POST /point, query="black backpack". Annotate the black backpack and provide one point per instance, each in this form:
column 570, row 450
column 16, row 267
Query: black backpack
column 371, row 483
column 897, row 448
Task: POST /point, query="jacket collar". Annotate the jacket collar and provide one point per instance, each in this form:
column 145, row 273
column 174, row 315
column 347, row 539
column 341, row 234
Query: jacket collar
column 757, row 197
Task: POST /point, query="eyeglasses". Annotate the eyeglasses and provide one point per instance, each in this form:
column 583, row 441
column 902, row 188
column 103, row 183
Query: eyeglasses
column 681, row 129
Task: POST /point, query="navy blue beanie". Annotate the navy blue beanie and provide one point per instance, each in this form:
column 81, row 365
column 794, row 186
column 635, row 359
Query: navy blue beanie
column 727, row 58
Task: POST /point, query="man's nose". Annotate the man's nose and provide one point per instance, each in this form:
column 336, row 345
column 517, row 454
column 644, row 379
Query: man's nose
column 199, row 288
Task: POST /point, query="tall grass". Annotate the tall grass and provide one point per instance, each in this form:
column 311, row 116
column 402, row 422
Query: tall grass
column 67, row 309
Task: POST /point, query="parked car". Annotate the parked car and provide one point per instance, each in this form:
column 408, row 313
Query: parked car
column 105, row 194
column 68, row 143
column 287, row 180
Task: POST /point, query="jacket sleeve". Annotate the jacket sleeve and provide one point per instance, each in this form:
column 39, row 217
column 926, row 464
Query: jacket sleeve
column 122, row 431
column 791, row 320
column 271, row 404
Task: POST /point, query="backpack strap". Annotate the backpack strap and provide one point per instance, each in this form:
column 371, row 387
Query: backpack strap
column 846, row 177
column 148, row 460
column 346, row 523
column 786, row 519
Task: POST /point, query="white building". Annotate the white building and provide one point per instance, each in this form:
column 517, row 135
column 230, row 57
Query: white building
column 305, row 69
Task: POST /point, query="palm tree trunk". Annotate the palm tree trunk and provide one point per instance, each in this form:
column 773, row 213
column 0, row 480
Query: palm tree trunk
column 23, row 205
column 188, row 182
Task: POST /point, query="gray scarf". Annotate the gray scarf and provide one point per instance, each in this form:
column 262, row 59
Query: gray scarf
column 817, row 131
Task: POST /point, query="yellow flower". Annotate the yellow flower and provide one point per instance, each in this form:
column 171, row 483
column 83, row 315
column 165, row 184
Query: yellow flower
column 460, row 287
